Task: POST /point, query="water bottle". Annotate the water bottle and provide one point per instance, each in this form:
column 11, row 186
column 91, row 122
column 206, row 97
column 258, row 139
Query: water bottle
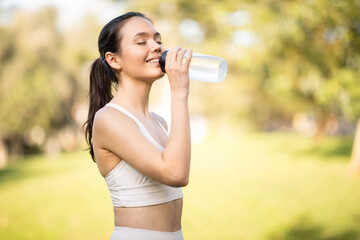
column 203, row 67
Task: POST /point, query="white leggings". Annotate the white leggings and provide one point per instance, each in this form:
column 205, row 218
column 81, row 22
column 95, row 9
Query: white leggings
column 125, row 233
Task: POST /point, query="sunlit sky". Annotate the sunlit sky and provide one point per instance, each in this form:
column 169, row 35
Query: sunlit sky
column 71, row 11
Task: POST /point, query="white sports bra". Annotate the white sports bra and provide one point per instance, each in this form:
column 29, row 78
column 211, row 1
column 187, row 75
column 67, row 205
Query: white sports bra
column 130, row 188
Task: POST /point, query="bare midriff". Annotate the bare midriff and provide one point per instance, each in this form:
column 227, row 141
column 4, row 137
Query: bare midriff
column 165, row 217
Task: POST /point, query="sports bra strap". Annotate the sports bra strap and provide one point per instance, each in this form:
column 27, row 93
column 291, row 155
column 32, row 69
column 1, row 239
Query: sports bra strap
column 141, row 126
column 124, row 111
column 161, row 125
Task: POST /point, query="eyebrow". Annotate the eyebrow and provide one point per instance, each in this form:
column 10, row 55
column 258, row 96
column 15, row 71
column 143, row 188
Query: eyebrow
column 145, row 34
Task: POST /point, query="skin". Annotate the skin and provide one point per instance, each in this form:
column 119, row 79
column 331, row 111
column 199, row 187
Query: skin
column 117, row 137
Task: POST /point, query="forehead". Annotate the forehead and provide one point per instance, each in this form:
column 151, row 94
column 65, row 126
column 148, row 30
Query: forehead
column 136, row 25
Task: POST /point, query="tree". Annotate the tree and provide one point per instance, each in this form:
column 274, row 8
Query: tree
column 42, row 82
column 314, row 54
column 27, row 94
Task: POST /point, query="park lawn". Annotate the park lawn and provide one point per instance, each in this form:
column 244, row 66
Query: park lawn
column 242, row 186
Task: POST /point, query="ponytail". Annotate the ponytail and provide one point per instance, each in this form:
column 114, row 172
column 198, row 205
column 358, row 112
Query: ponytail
column 102, row 80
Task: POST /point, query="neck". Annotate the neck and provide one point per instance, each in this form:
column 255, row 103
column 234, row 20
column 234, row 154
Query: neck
column 134, row 96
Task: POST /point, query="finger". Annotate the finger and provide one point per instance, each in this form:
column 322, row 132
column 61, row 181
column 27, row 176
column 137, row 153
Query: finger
column 180, row 56
column 172, row 57
column 188, row 59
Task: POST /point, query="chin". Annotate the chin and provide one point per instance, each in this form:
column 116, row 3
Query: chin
column 149, row 76
column 157, row 75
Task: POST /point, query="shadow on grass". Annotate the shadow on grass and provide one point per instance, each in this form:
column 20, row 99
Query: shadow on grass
column 337, row 149
column 334, row 150
column 303, row 229
column 40, row 166
column 16, row 173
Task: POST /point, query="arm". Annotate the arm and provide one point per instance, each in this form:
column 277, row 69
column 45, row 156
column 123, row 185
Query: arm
column 179, row 143
column 115, row 132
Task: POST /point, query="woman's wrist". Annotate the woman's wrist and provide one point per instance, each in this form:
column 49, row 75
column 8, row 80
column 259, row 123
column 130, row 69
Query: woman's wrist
column 180, row 94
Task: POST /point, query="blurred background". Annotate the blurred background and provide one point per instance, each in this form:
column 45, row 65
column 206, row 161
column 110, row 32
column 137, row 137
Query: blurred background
column 276, row 146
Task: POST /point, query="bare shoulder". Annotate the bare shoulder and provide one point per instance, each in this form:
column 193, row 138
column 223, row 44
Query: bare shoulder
column 108, row 117
column 161, row 120
column 109, row 121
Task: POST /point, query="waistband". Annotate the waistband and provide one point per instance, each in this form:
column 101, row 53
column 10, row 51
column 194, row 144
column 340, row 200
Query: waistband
column 137, row 234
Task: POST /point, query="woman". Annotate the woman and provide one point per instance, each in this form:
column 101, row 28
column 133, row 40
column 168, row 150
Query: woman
column 143, row 167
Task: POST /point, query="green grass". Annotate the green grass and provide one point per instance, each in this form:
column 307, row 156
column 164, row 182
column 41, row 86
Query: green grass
column 242, row 186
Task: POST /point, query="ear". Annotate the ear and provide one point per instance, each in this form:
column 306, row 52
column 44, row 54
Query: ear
column 113, row 60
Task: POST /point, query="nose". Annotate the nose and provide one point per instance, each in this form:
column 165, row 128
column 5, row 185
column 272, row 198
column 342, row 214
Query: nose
column 156, row 47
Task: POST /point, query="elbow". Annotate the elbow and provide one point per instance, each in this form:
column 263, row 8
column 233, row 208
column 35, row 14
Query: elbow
column 182, row 182
column 176, row 175
column 179, row 180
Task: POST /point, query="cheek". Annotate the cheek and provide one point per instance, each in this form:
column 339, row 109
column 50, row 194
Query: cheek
column 133, row 58
column 134, row 53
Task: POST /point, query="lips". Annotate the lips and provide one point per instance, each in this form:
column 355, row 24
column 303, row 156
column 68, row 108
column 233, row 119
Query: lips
column 153, row 60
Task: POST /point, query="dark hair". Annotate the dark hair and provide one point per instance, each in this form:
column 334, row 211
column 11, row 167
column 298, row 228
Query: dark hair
column 102, row 76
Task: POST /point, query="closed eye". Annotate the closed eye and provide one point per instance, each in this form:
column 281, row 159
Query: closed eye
column 143, row 43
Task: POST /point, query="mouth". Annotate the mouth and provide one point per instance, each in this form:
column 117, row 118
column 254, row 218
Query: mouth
column 153, row 60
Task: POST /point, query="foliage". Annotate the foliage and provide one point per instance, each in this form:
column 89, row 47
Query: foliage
column 41, row 80
column 28, row 59
column 312, row 54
